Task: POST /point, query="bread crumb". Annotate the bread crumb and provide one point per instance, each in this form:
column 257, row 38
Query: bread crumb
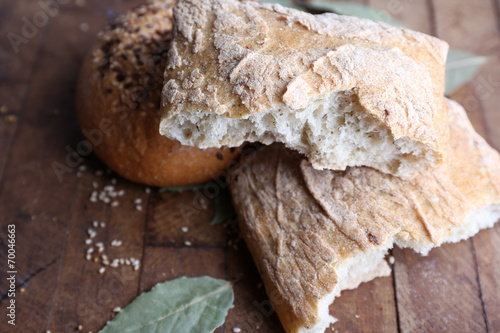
column 84, row 27
column 10, row 119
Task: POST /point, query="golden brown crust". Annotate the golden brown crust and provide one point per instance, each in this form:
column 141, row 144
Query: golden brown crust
column 118, row 98
column 250, row 57
column 302, row 225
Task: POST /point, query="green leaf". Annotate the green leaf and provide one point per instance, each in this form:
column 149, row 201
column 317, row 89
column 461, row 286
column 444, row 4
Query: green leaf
column 461, row 67
column 223, row 207
column 183, row 305
column 354, row 9
column 285, row 3
column 183, row 188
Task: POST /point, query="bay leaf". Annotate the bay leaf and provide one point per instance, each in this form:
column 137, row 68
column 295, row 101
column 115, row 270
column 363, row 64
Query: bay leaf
column 285, row 3
column 354, row 9
column 223, row 207
column 183, row 305
column 461, row 67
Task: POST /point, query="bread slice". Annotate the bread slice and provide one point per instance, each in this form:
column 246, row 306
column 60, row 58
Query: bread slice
column 342, row 90
column 314, row 233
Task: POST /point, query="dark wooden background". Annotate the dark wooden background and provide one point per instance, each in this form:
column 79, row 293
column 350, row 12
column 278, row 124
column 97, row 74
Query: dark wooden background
column 455, row 289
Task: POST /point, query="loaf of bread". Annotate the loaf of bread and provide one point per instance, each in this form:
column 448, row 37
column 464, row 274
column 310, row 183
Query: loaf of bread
column 342, row 90
column 118, row 103
column 314, row 233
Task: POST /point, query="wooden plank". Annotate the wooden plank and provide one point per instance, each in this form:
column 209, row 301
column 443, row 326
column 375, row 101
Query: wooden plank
column 473, row 26
column 31, row 196
column 439, row 293
column 84, row 296
column 369, row 308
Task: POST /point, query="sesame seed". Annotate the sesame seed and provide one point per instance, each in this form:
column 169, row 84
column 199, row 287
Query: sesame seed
column 138, row 207
column 102, row 270
column 47, row 331
column 22, row 290
column 88, row 256
column 127, row 261
column 103, row 224
column 188, row 243
column 96, row 259
column 121, row 193
column 117, row 309
column 88, row 241
column 138, row 201
column 392, row 260
column 122, row 261
column 113, row 181
column 99, row 173
column 82, row 167
column 147, row 190
column 90, row 250
column 115, row 204
column 236, row 330
column 95, row 224
column 95, row 184
column 80, row 327
column 116, row 242
column 184, row 229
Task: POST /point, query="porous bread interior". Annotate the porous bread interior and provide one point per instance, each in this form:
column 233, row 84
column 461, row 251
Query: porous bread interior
column 333, row 128
column 351, row 274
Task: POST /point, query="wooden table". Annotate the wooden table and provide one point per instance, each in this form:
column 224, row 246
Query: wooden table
column 455, row 289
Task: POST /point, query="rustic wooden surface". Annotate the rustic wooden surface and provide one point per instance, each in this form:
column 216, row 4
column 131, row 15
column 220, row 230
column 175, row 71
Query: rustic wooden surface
column 455, row 289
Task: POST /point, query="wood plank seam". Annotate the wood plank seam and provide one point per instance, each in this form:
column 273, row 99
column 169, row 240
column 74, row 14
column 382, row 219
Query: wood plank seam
column 476, row 266
column 393, row 268
column 144, row 235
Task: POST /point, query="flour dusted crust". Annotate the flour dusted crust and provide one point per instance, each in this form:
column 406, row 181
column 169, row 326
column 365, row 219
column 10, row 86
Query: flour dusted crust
column 314, row 233
column 242, row 70
column 118, row 102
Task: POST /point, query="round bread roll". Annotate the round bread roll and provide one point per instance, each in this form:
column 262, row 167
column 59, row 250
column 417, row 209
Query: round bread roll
column 118, row 104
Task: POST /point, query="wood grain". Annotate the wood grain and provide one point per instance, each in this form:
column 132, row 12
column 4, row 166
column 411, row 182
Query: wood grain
column 455, row 288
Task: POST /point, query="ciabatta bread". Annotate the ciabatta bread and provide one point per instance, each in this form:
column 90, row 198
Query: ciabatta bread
column 314, row 233
column 342, row 90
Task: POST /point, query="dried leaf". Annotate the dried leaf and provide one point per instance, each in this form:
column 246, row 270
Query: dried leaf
column 461, row 67
column 285, row 3
column 183, row 305
column 223, row 207
column 354, row 9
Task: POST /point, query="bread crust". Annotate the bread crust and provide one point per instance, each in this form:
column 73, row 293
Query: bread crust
column 118, row 99
column 303, row 225
column 234, row 59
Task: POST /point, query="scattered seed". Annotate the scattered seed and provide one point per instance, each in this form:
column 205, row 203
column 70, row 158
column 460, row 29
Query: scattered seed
column 102, row 270
column 96, row 259
column 103, row 224
column 236, row 330
column 115, row 204
column 392, row 260
column 88, row 241
column 90, row 250
column 80, row 327
column 138, row 207
column 82, row 167
column 99, row 173
column 88, row 256
column 117, row 309
column 113, row 181
column 147, row 190
column 184, row 229
column 188, row 243
column 116, row 242
column 138, row 201
column 22, row 290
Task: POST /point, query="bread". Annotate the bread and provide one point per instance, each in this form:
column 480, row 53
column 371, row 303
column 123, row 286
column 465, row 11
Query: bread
column 342, row 90
column 118, row 104
column 314, row 233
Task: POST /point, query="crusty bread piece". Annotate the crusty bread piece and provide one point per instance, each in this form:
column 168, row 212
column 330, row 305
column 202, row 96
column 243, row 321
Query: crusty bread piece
column 118, row 103
column 342, row 90
column 314, row 233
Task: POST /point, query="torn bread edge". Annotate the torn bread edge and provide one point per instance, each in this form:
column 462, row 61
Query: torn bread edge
column 449, row 204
